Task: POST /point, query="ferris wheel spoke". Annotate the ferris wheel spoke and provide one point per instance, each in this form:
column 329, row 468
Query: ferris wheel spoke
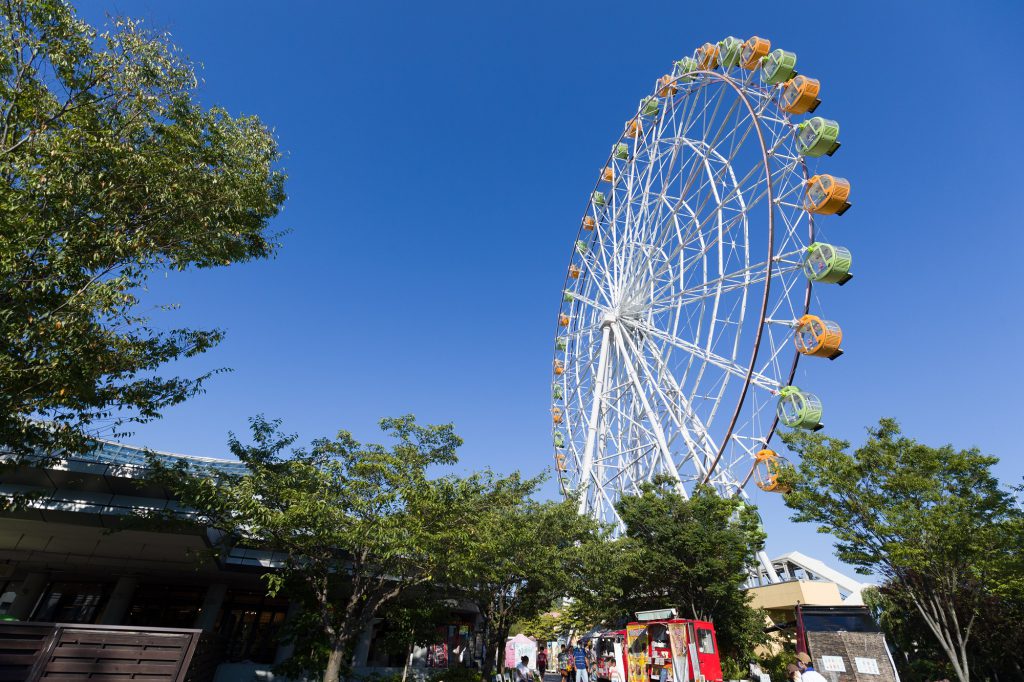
column 678, row 407
column 652, row 418
column 751, row 274
column 730, row 366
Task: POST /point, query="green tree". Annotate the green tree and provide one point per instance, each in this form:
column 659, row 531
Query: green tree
column 522, row 555
column 110, row 172
column 933, row 522
column 358, row 524
column 691, row 554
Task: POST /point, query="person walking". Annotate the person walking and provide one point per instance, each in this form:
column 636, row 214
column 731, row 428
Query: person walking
column 807, row 671
column 523, row 672
column 579, row 656
column 542, row 662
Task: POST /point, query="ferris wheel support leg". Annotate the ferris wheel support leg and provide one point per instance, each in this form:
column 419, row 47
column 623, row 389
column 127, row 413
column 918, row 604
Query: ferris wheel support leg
column 596, row 413
column 659, row 432
column 769, row 570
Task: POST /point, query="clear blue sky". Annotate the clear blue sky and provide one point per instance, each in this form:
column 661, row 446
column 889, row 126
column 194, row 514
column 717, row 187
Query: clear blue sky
column 440, row 156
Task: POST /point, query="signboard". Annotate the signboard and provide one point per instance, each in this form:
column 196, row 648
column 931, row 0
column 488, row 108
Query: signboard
column 678, row 636
column 868, row 666
column 833, row 664
column 619, row 671
column 637, row 652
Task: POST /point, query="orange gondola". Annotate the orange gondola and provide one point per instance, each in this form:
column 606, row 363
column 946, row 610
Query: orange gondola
column 800, row 95
column 766, row 464
column 668, row 86
column 559, row 368
column 707, row 56
column 589, row 224
column 827, row 195
column 608, row 174
column 563, row 320
column 818, row 338
column 574, row 271
column 753, row 50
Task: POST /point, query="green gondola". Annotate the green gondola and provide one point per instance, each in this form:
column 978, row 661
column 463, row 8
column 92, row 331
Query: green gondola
column 686, row 65
column 581, row 247
column 799, row 410
column 559, row 439
column 817, row 136
column 556, row 391
column 568, row 297
column 779, row 66
column 621, row 151
column 561, row 342
column 649, row 106
column 599, row 200
column 729, row 51
column 828, row 263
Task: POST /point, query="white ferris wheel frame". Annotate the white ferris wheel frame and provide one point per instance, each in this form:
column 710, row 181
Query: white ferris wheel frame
column 630, row 409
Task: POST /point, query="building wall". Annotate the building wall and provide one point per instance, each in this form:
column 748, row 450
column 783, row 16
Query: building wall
column 788, row 594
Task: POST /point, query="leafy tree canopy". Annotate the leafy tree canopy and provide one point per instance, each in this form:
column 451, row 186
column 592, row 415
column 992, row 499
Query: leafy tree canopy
column 110, row 172
column 692, row 554
column 522, row 556
column 934, row 522
column 357, row 525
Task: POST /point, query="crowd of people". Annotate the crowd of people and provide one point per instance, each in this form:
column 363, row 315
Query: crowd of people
column 579, row 664
column 576, row 664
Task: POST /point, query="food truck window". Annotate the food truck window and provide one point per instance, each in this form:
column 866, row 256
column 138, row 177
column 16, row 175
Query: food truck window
column 705, row 641
column 659, row 635
column 639, row 645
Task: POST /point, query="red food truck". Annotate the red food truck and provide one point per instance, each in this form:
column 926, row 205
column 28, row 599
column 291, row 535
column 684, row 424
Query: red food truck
column 661, row 647
column 610, row 658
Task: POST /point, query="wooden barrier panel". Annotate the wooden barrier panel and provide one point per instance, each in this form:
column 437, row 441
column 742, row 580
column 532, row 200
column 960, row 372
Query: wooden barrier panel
column 62, row 652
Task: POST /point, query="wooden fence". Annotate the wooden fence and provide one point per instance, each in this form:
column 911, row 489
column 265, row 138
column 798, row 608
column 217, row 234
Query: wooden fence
column 66, row 652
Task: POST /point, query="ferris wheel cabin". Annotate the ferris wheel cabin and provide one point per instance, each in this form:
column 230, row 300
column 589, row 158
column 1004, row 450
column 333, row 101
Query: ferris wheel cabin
column 767, row 465
column 779, row 67
column 729, row 50
column 828, row 263
column 827, row 195
column 753, row 51
column 817, row 137
column 706, row 56
column 800, row 95
column 818, row 338
column 799, row 410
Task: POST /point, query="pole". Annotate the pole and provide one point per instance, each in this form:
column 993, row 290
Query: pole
column 596, row 412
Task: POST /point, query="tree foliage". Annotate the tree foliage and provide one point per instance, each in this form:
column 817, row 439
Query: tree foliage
column 522, row 555
column 933, row 522
column 692, row 554
column 110, row 172
column 357, row 525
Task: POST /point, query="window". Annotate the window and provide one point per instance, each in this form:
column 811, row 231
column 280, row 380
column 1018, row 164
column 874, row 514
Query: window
column 71, row 603
column 165, row 606
column 639, row 645
column 659, row 636
column 705, row 641
column 249, row 621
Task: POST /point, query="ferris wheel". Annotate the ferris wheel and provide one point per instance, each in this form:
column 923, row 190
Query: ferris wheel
column 687, row 303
